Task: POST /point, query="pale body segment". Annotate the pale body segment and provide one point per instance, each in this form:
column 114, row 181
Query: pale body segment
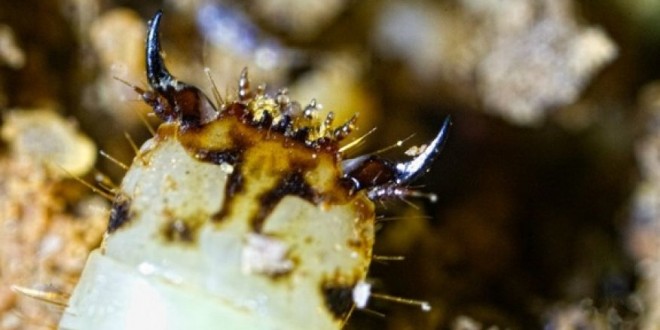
column 237, row 218
column 173, row 266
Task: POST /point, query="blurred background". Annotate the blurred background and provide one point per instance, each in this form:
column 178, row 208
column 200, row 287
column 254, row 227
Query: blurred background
column 548, row 213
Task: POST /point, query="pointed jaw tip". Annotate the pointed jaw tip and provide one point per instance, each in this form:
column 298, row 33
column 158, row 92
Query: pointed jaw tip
column 407, row 172
column 157, row 73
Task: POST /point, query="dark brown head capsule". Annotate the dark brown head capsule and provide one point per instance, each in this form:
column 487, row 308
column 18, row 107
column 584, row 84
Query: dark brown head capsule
column 175, row 101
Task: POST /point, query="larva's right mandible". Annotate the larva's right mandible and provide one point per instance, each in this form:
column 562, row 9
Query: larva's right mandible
column 240, row 216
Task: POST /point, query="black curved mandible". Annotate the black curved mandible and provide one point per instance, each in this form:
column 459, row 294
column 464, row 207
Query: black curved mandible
column 406, row 172
column 157, row 73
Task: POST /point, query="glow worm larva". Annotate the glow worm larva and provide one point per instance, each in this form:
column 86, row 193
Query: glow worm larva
column 240, row 216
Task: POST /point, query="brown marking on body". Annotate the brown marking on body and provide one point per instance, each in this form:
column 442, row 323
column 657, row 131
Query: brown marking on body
column 178, row 229
column 290, row 184
column 120, row 213
column 338, row 299
column 267, row 165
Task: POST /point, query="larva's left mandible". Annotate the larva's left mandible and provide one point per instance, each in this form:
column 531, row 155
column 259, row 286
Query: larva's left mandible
column 240, row 215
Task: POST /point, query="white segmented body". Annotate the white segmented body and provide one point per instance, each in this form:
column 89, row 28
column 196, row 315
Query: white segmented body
column 243, row 218
column 140, row 279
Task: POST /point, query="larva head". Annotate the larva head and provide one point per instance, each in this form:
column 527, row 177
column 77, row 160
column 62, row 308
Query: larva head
column 246, row 215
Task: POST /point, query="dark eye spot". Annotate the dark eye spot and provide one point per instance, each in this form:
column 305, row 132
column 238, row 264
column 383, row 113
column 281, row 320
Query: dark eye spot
column 338, row 299
column 178, row 231
column 231, row 157
column 235, row 183
column 119, row 213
